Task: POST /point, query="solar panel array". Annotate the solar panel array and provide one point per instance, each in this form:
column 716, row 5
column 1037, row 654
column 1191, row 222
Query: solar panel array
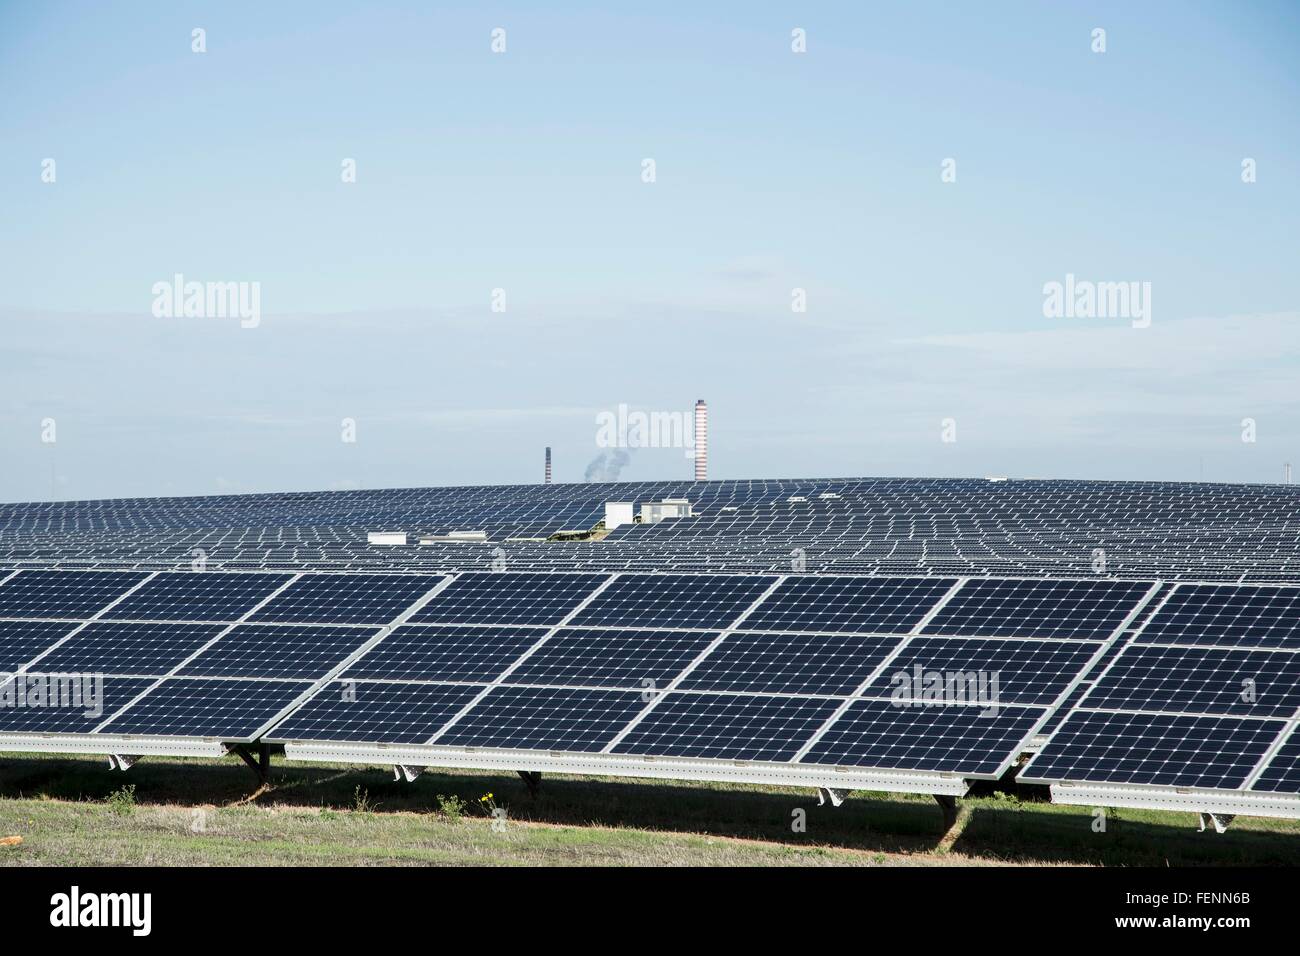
column 1130, row 634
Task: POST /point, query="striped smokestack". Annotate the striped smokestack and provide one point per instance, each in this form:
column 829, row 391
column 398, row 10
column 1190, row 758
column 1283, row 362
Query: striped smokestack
column 548, row 465
column 701, row 441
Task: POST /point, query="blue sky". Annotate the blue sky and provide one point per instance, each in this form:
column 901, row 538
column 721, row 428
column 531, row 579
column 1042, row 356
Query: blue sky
column 522, row 171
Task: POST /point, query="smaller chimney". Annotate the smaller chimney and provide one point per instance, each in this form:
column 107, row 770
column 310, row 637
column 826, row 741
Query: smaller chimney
column 1286, row 471
column 701, row 441
column 548, row 465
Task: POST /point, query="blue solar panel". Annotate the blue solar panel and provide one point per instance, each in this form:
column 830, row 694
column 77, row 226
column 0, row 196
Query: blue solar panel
column 129, row 648
column 858, row 604
column 1078, row 609
column 1006, row 671
column 527, row 718
column 502, row 597
column 1153, row 749
column 1202, row 680
column 197, row 596
column 392, row 713
column 790, row 663
column 436, row 652
column 947, row 739
column 20, row 641
column 611, row 658
column 286, row 651
column 347, row 598
column 64, row 594
column 221, row 709
column 707, row 601
column 727, row 726
column 1282, row 772
column 63, row 704
column 1228, row 616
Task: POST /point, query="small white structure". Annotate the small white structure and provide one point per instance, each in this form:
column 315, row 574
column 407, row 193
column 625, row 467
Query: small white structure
column 653, row 512
column 386, row 537
column 619, row 512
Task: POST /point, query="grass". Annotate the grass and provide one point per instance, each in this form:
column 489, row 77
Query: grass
column 75, row 811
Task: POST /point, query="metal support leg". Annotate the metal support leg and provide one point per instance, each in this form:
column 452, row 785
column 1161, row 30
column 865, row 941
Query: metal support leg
column 948, row 806
column 836, row 797
column 260, row 763
column 533, row 780
column 1219, row 821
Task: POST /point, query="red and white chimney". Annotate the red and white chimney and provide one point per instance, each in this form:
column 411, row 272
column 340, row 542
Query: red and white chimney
column 701, row 441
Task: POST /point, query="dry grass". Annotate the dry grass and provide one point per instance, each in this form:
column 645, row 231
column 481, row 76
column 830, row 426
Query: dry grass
column 73, row 811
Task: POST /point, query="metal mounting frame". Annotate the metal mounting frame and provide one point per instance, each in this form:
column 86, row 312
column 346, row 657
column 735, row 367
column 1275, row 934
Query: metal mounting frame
column 1220, row 803
column 113, row 744
column 617, row 765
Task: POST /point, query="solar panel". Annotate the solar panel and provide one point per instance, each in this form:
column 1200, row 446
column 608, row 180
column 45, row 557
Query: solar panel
column 790, row 663
column 529, row 718
column 193, row 707
column 392, row 713
column 1203, row 680
column 444, row 652
column 286, row 651
column 198, row 596
column 611, row 658
column 727, row 726
column 1282, row 772
column 129, row 648
column 64, row 594
column 20, row 641
column 63, row 704
column 679, row 601
column 502, row 597
column 955, row 738
column 1153, row 749
column 1229, row 616
column 1007, row 671
column 858, row 604
column 1078, row 609
column 347, row 598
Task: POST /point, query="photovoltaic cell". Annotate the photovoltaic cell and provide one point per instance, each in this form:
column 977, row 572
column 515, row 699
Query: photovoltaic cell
column 197, row 596
column 66, row 711
column 359, row 711
column 1229, row 616
column 1202, row 680
column 1006, row 671
column 707, row 601
column 790, row 663
column 129, row 648
column 64, row 594
column 222, row 709
column 1078, row 609
column 528, row 718
column 611, row 658
column 347, row 598
column 727, row 727
column 502, row 597
column 436, row 652
column 20, row 641
column 284, row 651
column 948, row 739
column 1153, row 749
column 858, row 604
